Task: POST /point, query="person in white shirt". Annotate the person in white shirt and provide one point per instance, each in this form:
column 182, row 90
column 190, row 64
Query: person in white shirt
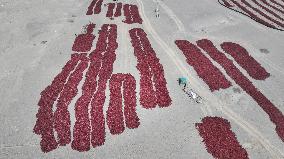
column 157, row 11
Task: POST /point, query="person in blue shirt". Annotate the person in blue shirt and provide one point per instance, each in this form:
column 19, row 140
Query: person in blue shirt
column 182, row 81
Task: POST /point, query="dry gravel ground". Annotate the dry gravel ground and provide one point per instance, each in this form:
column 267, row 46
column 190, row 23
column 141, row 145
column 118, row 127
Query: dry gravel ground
column 36, row 38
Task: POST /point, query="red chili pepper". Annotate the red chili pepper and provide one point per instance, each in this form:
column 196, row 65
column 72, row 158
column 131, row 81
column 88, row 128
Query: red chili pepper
column 205, row 69
column 219, row 139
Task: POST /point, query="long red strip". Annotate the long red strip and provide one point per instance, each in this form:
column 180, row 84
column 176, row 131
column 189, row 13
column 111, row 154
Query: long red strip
column 110, row 9
column 219, row 139
column 84, row 42
column 91, row 7
column 147, row 93
column 268, row 10
column 98, row 7
column 129, row 94
column 157, row 70
column 273, row 1
column 82, row 128
column 268, row 4
column 149, row 66
column 97, row 120
column 115, row 119
column 252, row 15
column 97, row 116
column 273, row 112
column 62, row 115
column 242, row 57
column 95, row 7
column 263, row 14
column 227, row 3
column 44, row 123
column 118, row 10
column 205, row 69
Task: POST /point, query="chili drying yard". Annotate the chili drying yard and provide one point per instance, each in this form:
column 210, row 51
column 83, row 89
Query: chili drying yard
column 101, row 79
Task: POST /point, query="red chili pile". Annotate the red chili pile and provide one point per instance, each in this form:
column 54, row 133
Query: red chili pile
column 205, row 69
column 242, row 57
column 110, row 9
column 101, row 65
column 277, row 3
column 227, row 4
column 149, row 68
column 61, row 117
column 131, row 11
column 118, row 10
column 103, row 55
column 272, row 111
column 82, row 128
column 89, row 128
column 263, row 18
column 131, row 14
column 44, row 123
column 95, row 7
column 263, row 14
column 267, row 10
column 272, row 6
column 110, row 12
column 254, row 16
column 115, row 120
column 219, row 139
column 97, row 116
column 84, row 42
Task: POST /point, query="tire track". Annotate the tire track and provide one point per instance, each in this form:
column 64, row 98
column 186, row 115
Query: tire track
column 171, row 14
column 214, row 101
column 182, row 68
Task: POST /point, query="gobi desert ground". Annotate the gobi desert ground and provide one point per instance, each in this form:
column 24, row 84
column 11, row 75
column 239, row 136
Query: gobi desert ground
column 102, row 79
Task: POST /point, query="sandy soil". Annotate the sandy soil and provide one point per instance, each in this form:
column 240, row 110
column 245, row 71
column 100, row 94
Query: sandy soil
column 36, row 39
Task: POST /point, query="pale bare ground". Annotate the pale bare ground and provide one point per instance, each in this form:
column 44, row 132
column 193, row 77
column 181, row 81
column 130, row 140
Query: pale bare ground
column 36, row 40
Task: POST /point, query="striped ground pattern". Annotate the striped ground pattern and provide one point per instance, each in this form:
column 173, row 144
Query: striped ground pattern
column 267, row 12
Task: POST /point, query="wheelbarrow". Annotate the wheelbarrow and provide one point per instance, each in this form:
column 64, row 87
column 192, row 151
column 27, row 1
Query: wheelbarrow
column 184, row 84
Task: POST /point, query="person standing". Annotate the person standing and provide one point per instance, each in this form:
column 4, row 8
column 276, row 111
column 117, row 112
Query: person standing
column 157, row 11
column 182, row 81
